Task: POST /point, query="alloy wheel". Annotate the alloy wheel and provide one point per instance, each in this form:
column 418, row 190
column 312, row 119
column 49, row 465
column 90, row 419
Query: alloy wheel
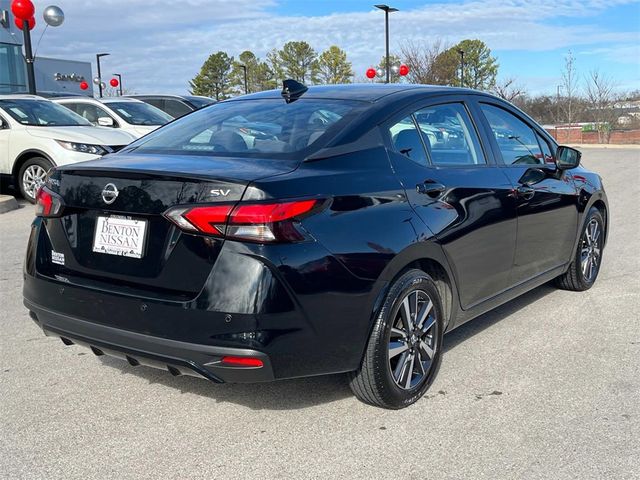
column 32, row 178
column 590, row 248
column 413, row 340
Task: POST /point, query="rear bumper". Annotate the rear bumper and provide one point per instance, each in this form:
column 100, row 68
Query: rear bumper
column 178, row 358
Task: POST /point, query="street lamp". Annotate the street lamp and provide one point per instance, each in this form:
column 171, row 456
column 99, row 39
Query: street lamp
column 24, row 11
column 246, row 85
column 119, row 82
column 387, row 10
column 99, row 78
column 461, row 52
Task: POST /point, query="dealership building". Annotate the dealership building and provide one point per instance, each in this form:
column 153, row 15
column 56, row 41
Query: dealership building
column 53, row 75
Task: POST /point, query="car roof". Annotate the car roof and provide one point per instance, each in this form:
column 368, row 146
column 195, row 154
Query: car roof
column 98, row 100
column 367, row 92
column 21, row 96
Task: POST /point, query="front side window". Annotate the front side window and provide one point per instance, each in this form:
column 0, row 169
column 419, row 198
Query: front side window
column 546, row 149
column 451, row 137
column 41, row 113
column 407, row 141
column 88, row 111
column 140, row 113
column 516, row 140
column 252, row 128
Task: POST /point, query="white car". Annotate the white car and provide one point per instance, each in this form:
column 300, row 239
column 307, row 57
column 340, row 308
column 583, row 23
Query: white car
column 130, row 115
column 37, row 134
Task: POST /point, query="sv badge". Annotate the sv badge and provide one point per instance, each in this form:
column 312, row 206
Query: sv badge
column 219, row 192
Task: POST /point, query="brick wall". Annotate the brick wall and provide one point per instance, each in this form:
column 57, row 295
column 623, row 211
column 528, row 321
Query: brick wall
column 576, row 135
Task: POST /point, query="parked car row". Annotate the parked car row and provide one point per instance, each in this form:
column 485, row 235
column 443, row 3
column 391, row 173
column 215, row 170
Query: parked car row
column 37, row 133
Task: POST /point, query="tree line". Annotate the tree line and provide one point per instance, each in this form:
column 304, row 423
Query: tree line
column 223, row 76
column 469, row 63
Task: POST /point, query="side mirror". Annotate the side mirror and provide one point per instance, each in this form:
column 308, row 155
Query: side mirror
column 3, row 125
column 567, row 158
column 106, row 122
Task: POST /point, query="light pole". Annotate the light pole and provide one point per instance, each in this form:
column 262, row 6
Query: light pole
column 120, row 82
column 387, row 10
column 461, row 52
column 246, row 85
column 99, row 72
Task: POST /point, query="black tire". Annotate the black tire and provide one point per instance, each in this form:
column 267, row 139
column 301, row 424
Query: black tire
column 576, row 278
column 34, row 164
column 374, row 382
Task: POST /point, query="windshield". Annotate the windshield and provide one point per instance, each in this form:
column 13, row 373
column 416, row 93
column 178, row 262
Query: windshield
column 261, row 128
column 140, row 113
column 41, row 113
column 200, row 102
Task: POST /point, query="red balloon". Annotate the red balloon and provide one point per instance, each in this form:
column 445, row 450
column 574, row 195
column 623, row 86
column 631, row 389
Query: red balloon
column 371, row 73
column 84, row 85
column 19, row 22
column 403, row 70
column 114, row 82
column 23, row 9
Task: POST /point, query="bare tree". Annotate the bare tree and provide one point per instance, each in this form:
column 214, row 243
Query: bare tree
column 600, row 94
column 509, row 90
column 421, row 58
column 570, row 85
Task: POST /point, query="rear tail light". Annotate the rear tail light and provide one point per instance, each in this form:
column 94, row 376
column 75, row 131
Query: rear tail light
column 260, row 222
column 48, row 204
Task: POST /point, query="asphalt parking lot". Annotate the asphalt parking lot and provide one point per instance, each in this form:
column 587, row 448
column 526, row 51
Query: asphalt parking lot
column 546, row 386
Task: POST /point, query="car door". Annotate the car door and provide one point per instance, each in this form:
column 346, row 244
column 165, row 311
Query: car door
column 546, row 197
column 457, row 189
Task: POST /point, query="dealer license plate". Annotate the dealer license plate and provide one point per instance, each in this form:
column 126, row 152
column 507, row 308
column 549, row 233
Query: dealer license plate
column 120, row 236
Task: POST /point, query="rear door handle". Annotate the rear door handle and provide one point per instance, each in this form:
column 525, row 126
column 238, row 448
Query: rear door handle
column 432, row 189
column 526, row 192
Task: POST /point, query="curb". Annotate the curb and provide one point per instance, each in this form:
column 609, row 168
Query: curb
column 8, row 203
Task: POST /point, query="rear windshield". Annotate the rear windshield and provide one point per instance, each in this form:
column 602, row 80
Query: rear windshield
column 262, row 128
column 140, row 113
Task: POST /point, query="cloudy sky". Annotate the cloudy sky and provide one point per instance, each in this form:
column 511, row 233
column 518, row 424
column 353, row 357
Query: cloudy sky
column 159, row 45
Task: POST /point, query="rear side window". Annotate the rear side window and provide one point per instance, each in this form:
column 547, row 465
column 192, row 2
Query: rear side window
column 176, row 108
column 449, row 135
column 516, row 140
column 407, row 141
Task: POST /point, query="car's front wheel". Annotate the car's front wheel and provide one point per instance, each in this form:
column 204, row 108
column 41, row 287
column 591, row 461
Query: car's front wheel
column 32, row 174
column 405, row 347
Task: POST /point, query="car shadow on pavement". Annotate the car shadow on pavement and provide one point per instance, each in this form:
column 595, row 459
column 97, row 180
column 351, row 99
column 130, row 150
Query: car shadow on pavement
column 484, row 321
column 307, row 392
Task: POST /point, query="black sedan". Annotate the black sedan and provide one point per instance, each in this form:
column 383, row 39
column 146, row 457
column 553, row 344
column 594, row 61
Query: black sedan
column 176, row 105
column 331, row 233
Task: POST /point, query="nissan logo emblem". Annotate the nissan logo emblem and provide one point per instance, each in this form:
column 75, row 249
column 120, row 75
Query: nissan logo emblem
column 109, row 193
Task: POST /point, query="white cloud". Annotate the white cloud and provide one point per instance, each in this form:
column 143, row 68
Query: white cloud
column 159, row 48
